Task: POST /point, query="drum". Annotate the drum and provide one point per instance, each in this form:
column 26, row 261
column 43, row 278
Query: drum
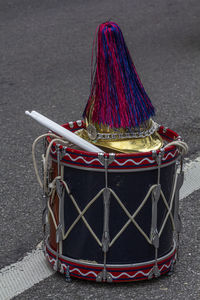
column 113, row 216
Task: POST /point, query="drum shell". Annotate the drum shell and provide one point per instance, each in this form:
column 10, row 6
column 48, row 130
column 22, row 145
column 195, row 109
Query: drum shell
column 131, row 188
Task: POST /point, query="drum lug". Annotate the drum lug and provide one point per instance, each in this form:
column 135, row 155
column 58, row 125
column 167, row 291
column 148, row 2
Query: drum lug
column 156, row 193
column 104, row 160
column 154, row 232
column 59, row 236
column 155, row 239
column 177, row 219
column 154, row 272
column 172, row 267
column 67, row 275
column 155, row 196
column 58, row 151
column 44, row 217
column 180, row 180
column 106, row 235
column 60, row 192
column 104, row 275
column 44, row 213
column 105, row 241
column 55, row 266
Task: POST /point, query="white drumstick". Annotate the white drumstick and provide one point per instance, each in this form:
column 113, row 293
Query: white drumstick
column 65, row 133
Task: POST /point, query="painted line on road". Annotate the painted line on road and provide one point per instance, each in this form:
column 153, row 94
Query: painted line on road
column 33, row 268
column 191, row 178
column 21, row 276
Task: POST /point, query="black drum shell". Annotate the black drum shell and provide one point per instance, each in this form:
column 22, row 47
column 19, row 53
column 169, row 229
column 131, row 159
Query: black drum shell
column 131, row 188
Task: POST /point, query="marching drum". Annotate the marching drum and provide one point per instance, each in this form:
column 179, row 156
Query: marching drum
column 112, row 216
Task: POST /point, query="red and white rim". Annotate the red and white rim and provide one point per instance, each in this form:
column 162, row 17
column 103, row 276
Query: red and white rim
column 119, row 273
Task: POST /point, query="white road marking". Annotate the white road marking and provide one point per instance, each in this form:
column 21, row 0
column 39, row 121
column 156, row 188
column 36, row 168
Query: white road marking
column 33, row 268
column 191, row 178
column 18, row 277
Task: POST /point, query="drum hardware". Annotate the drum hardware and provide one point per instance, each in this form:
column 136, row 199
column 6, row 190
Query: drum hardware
column 61, row 193
column 106, row 235
column 104, row 275
column 179, row 182
column 177, row 218
column 79, row 123
column 58, row 157
column 71, row 124
column 176, row 222
column 154, row 232
column 109, row 159
column 67, row 274
column 155, row 196
column 60, row 228
column 44, row 217
column 45, row 198
column 165, row 129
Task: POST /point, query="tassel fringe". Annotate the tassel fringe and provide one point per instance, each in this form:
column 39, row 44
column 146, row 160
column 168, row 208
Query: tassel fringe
column 117, row 98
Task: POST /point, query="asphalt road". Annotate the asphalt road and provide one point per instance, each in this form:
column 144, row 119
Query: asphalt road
column 45, row 53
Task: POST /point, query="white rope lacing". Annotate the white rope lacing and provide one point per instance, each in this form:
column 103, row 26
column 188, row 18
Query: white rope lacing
column 182, row 146
column 45, row 159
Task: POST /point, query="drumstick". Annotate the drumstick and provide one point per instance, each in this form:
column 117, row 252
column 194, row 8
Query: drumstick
column 65, row 133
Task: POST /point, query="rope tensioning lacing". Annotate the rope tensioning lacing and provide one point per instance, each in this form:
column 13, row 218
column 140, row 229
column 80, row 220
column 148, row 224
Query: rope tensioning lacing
column 46, row 158
column 181, row 145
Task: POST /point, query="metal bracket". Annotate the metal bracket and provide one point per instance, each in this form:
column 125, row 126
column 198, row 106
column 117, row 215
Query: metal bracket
column 106, row 235
column 59, row 236
column 165, row 129
column 106, row 159
column 155, row 238
column 156, row 193
column 61, row 193
column 67, row 275
column 154, row 231
column 155, row 196
column 177, row 219
column 158, row 158
column 154, row 272
column 44, row 212
column 104, row 275
column 55, row 266
column 60, row 153
column 58, row 157
column 44, row 217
